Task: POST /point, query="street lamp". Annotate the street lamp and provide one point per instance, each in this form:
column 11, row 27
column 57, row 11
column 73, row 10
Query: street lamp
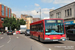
column 40, row 14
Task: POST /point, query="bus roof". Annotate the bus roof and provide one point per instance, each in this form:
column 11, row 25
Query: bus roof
column 54, row 19
column 45, row 19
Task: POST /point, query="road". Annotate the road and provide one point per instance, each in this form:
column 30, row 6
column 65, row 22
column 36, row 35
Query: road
column 22, row 42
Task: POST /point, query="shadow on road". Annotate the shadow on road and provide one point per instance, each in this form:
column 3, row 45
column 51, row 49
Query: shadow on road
column 53, row 43
column 72, row 40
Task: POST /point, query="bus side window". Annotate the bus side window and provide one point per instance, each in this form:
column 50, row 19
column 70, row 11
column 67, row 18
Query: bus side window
column 40, row 28
column 36, row 27
column 30, row 28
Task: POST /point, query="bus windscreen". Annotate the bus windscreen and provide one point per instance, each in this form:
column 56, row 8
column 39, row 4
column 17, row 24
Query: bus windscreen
column 53, row 27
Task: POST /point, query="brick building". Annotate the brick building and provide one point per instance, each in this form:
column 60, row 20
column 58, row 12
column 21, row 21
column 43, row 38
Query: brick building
column 23, row 16
column 28, row 19
column 36, row 19
column 4, row 12
column 14, row 15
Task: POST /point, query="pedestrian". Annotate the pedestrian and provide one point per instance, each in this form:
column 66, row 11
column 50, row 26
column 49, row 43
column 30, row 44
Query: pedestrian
column 2, row 32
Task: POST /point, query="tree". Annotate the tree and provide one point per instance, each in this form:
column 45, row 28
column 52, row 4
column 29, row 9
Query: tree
column 18, row 24
column 22, row 22
column 6, row 22
column 13, row 23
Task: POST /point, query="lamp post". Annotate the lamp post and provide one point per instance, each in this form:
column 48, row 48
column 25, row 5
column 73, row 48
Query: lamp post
column 40, row 14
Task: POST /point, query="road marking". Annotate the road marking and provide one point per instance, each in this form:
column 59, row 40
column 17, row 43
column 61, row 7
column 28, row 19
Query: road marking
column 9, row 39
column 1, row 38
column 1, row 46
column 17, row 37
column 49, row 49
column 25, row 37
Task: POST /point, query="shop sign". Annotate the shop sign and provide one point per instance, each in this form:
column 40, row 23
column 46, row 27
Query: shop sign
column 69, row 22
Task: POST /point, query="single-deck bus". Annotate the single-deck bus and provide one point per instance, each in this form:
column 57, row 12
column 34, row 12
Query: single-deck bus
column 47, row 30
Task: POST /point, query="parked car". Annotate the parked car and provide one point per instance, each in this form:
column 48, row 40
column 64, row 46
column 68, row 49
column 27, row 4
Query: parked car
column 71, row 34
column 17, row 32
column 27, row 32
column 10, row 32
column 1, row 31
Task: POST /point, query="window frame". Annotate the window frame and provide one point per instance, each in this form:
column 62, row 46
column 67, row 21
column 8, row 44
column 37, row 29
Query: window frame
column 2, row 10
column 58, row 15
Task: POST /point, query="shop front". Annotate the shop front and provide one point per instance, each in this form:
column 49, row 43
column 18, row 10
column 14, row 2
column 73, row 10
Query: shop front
column 70, row 24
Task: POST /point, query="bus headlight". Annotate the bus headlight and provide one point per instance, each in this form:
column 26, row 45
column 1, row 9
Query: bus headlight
column 63, row 38
column 47, row 38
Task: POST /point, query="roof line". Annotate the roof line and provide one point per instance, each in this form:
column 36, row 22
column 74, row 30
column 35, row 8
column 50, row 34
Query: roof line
column 5, row 5
column 63, row 6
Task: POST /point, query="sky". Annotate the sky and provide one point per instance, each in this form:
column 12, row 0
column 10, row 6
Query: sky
column 31, row 7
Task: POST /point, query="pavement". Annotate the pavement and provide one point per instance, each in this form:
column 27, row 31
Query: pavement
column 22, row 42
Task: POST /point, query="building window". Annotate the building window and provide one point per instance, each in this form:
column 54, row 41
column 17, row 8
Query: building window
column 65, row 12
column 70, row 11
column 6, row 12
column 3, row 10
column 58, row 15
column 51, row 16
column 31, row 21
column 2, row 19
column 9, row 12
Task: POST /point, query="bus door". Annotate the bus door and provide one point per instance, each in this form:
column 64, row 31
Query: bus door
column 41, row 33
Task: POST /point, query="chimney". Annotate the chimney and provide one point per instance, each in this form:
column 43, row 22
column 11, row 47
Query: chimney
column 51, row 10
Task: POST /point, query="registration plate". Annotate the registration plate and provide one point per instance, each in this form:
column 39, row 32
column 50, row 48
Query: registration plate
column 9, row 32
column 55, row 40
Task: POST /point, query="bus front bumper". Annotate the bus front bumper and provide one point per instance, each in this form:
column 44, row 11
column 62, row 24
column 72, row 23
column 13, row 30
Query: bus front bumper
column 48, row 40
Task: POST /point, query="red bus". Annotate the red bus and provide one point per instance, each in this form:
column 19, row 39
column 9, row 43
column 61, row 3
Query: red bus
column 48, row 30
